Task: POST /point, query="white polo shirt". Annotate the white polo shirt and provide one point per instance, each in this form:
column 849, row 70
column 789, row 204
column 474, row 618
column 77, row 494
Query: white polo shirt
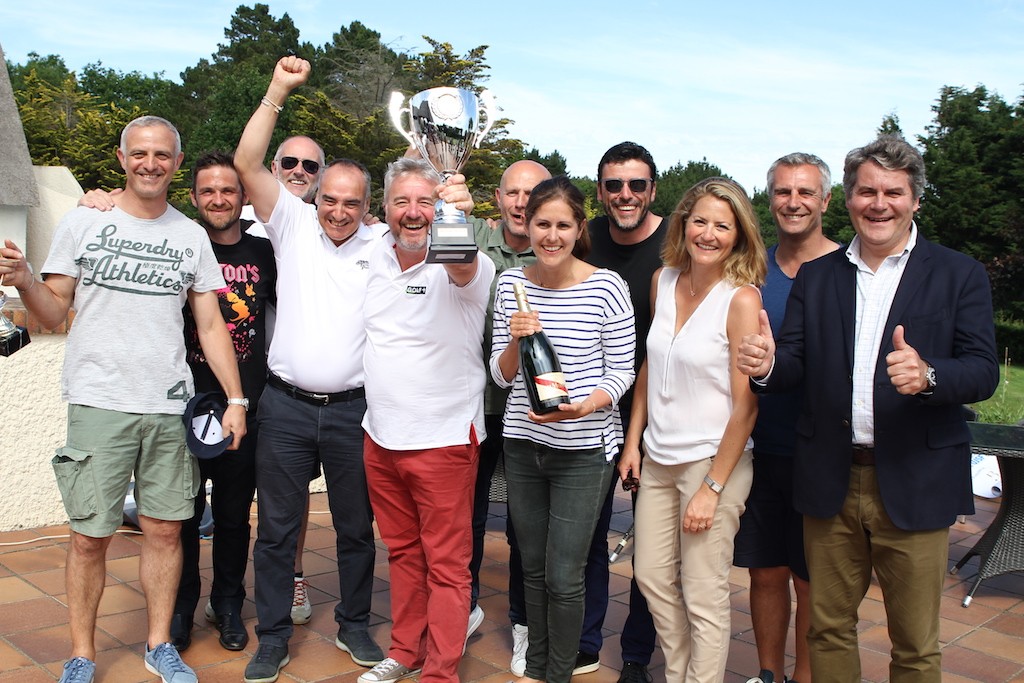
column 424, row 370
column 319, row 335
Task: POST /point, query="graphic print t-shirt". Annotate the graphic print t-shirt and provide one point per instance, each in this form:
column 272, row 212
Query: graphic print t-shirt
column 125, row 350
column 250, row 273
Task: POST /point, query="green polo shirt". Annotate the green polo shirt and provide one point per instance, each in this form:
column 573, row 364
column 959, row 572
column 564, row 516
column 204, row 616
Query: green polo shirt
column 492, row 243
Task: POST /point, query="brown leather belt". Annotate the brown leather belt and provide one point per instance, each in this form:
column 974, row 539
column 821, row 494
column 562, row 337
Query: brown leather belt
column 316, row 399
column 863, row 455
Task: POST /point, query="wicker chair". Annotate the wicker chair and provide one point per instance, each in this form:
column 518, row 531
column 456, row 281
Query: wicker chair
column 1001, row 548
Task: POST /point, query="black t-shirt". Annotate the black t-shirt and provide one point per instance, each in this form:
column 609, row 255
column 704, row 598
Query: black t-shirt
column 636, row 264
column 250, row 272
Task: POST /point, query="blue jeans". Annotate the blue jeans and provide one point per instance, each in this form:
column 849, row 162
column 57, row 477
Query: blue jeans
column 294, row 436
column 554, row 499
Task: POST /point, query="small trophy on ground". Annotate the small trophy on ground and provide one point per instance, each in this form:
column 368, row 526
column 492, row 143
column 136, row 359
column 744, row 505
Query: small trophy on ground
column 12, row 337
column 445, row 124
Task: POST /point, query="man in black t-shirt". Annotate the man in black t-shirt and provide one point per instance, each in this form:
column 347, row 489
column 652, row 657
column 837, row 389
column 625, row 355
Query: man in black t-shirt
column 627, row 240
column 250, row 272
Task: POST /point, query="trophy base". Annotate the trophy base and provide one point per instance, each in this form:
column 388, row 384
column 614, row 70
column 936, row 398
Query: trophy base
column 14, row 342
column 451, row 243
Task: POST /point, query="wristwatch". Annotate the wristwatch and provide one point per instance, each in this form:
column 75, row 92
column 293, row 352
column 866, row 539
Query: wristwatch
column 244, row 402
column 929, row 377
column 712, row 484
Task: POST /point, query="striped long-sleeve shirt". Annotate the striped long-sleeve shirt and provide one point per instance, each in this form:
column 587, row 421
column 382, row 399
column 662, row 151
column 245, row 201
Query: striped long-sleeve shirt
column 591, row 327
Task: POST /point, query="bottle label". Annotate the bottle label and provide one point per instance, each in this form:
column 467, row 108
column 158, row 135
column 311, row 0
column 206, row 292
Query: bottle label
column 550, row 385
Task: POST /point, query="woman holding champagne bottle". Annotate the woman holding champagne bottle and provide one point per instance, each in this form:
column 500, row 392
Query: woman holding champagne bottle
column 561, row 424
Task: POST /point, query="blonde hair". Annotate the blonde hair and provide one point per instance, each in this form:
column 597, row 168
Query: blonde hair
column 748, row 262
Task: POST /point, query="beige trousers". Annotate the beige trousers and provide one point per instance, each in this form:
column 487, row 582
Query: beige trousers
column 685, row 576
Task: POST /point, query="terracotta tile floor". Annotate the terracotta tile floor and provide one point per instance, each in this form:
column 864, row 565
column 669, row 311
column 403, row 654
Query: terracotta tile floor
column 984, row 642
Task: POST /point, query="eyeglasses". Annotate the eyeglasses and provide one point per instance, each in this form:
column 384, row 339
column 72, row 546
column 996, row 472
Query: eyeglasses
column 309, row 166
column 636, row 185
column 631, row 484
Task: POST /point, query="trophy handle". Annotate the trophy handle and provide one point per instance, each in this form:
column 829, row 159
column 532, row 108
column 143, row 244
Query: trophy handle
column 395, row 108
column 489, row 109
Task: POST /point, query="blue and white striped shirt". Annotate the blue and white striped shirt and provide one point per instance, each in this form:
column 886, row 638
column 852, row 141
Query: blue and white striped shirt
column 591, row 327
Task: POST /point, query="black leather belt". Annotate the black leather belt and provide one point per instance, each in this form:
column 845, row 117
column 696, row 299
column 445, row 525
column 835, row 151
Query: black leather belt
column 863, row 455
column 316, row 399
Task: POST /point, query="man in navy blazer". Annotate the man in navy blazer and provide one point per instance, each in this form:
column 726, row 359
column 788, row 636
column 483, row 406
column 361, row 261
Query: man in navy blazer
column 887, row 338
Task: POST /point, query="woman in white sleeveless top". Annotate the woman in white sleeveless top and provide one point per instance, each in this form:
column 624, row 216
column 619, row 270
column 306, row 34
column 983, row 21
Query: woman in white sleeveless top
column 695, row 412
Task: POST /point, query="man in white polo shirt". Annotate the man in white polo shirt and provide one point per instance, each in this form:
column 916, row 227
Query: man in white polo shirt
column 313, row 405
column 424, row 423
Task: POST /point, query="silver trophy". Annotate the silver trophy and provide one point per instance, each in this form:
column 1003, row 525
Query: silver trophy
column 445, row 124
column 12, row 337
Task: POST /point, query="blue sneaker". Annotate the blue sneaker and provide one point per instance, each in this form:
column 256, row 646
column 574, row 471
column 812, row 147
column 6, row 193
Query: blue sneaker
column 78, row 670
column 165, row 662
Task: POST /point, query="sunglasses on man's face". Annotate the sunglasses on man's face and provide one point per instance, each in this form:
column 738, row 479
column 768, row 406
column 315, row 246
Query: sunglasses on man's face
column 309, row 166
column 636, row 185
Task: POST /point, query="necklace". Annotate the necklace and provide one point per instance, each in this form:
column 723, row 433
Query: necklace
column 694, row 293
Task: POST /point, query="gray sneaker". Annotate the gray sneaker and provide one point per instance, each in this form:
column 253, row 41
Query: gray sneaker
column 78, row 670
column 165, row 662
column 266, row 664
column 387, row 671
column 360, row 646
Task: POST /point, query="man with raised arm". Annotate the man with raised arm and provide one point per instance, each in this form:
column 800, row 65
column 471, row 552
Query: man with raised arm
column 314, row 402
column 128, row 273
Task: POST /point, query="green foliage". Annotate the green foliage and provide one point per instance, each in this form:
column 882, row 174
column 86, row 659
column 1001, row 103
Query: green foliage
column 974, row 200
column 1010, row 337
column 673, row 183
column 154, row 94
column 554, row 162
column 443, row 67
column 361, row 72
column 50, row 69
column 1007, row 404
column 891, row 125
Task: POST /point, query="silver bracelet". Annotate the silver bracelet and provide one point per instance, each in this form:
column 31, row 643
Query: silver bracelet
column 267, row 102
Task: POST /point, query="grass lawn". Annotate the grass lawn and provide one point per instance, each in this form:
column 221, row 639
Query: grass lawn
column 1007, row 405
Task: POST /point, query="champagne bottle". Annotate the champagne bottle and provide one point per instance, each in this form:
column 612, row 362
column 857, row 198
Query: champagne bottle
column 542, row 372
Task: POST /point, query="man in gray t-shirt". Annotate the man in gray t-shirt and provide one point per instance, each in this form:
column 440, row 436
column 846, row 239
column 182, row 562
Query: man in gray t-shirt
column 128, row 273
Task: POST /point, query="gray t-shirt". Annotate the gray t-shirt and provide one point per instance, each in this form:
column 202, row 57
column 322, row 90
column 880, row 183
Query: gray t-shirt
column 126, row 348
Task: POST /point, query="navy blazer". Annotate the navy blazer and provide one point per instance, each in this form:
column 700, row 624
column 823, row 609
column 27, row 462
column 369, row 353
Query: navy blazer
column 922, row 444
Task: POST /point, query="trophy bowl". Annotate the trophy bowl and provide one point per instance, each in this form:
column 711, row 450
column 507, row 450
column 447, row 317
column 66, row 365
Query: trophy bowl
column 445, row 125
column 12, row 337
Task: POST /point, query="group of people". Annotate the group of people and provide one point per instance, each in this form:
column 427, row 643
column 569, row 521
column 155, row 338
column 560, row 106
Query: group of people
column 796, row 411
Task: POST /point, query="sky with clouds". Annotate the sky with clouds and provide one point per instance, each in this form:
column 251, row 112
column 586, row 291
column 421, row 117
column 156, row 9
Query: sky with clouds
column 738, row 83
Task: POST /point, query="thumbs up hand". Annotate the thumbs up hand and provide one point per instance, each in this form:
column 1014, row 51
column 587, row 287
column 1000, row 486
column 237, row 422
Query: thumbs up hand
column 756, row 351
column 905, row 367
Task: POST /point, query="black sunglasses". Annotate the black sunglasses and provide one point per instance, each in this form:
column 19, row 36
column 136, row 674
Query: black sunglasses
column 636, row 185
column 309, row 166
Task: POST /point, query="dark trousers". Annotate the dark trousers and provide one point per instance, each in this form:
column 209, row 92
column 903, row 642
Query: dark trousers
column 233, row 475
column 490, row 453
column 294, row 436
column 638, row 633
column 555, row 501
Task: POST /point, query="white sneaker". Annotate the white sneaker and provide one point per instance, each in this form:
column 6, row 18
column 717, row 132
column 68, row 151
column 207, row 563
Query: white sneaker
column 388, row 670
column 302, row 610
column 476, row 617
column 520, row 641
column 211, row 616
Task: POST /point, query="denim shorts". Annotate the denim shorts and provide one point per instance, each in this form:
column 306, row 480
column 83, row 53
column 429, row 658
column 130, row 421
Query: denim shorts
column 104, row 448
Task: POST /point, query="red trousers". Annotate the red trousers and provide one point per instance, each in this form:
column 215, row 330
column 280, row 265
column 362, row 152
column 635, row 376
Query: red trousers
column 423, row 503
